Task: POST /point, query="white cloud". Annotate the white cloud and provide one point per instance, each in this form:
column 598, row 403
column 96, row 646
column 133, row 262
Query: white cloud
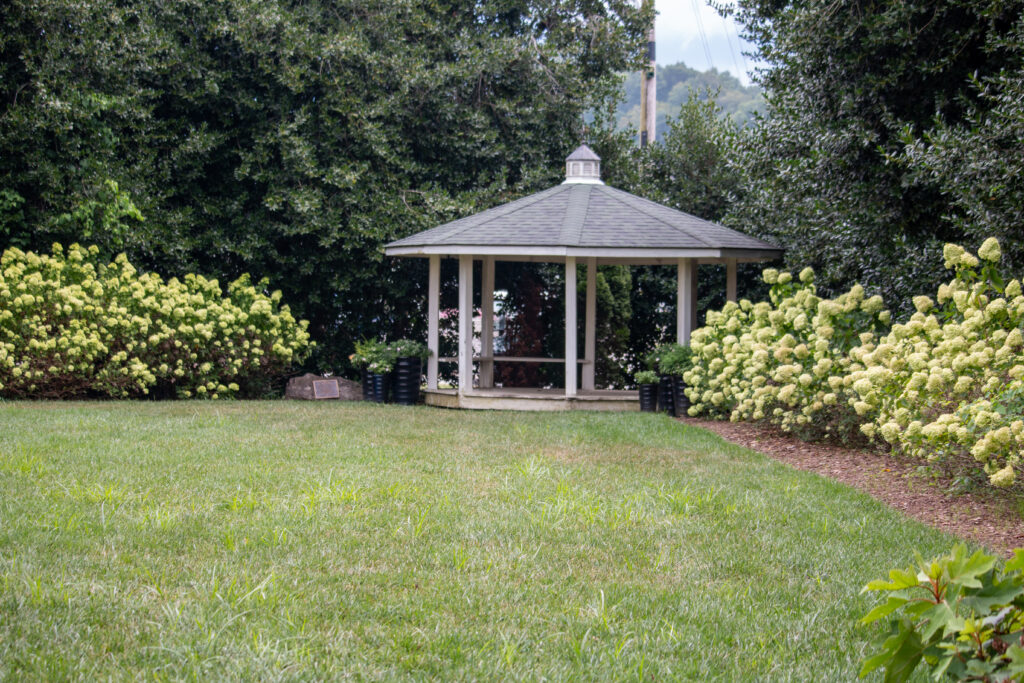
column 677, row 31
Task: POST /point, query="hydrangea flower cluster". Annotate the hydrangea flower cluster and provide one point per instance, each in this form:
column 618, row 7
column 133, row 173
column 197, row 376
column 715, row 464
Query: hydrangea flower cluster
column 71, row 326
column 949, row 383
column 784, row 361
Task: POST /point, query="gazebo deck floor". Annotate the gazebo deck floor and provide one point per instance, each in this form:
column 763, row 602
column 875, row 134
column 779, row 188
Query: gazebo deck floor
column 520, row 398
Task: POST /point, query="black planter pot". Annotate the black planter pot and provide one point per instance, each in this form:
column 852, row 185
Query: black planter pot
column 381, row 387
column 648, row 397
column 408, row 373
column 682, row 404
column 665, row 402
column 367, row 385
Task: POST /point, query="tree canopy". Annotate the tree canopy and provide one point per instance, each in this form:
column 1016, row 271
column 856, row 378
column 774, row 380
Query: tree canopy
column 876, row 145
column 676, row 82
column 291, row 139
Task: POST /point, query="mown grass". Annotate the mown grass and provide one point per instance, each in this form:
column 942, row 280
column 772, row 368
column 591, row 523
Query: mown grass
column 299, row 541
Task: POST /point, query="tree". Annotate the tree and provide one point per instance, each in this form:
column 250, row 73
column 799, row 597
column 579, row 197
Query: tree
column 845, row 81
column 676, row 83
column 693, row 169
column 977, row 164
column 291, row 139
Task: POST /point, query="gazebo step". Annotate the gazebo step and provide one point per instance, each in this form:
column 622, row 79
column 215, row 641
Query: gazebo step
column 545, row 400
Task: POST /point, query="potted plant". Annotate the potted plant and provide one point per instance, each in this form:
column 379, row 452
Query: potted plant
column 408, row 358
column 648, row 382
column 366, row 351
column 655, row 361
column 379, row 370
column 675, row 361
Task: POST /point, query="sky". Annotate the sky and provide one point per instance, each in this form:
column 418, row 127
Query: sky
column 678, row 35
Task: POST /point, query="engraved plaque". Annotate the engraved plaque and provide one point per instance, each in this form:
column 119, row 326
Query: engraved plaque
column 325, row 388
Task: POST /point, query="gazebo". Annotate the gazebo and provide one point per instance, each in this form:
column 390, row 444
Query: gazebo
column 582, row 220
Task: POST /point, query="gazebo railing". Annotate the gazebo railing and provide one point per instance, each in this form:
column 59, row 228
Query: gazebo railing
column 515, row 359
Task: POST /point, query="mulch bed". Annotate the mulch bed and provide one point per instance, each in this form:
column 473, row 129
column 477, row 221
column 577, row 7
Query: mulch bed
column 989, row 518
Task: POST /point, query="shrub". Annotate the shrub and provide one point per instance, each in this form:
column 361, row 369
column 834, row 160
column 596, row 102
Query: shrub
column 784, row 361
column 948, row 385
column 963, row 616
column 71, row 326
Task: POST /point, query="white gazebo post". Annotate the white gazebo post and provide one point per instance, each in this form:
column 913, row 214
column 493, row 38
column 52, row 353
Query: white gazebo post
column 465, row 324
column 730, row 279
column 487, row 323
column 433, row 315
column 570, row 326
column 590, row 326
column 686, row 300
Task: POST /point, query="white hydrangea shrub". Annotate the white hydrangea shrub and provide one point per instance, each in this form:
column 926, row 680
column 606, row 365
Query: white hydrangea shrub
column 949, row 383
column 784, row 361
column 71, row 326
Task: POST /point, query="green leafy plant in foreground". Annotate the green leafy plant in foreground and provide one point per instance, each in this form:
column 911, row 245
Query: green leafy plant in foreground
column 961, row 614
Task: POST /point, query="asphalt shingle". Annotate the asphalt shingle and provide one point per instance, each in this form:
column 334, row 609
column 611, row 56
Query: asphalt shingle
column 584, row 215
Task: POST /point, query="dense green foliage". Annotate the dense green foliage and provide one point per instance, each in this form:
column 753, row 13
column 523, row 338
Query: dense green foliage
column 960, row 614
column 676, row 83
column 612, row 327
column 302, row 540
column 977, row 163
column 891, row 128
column 73, row 326
column 676, row 360
column 291, row 140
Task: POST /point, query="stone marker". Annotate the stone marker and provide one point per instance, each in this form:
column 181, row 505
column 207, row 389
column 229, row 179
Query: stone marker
column 309, row 387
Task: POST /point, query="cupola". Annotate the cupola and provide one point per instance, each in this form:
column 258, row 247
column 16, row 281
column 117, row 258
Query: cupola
column 583, row 166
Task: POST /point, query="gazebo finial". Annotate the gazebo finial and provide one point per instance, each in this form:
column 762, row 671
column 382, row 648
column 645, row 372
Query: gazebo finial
column 583, row 166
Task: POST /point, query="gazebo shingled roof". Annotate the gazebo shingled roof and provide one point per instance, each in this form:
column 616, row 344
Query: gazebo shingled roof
column 580, row 219
column 584, row 217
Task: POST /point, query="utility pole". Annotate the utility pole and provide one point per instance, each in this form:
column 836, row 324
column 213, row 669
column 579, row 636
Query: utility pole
column 648, row 90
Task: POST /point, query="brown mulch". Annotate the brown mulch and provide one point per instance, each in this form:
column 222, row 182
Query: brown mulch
column 988, row 518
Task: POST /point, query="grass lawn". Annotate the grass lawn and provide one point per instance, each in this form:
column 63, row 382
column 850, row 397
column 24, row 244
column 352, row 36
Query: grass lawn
column 296, row 540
